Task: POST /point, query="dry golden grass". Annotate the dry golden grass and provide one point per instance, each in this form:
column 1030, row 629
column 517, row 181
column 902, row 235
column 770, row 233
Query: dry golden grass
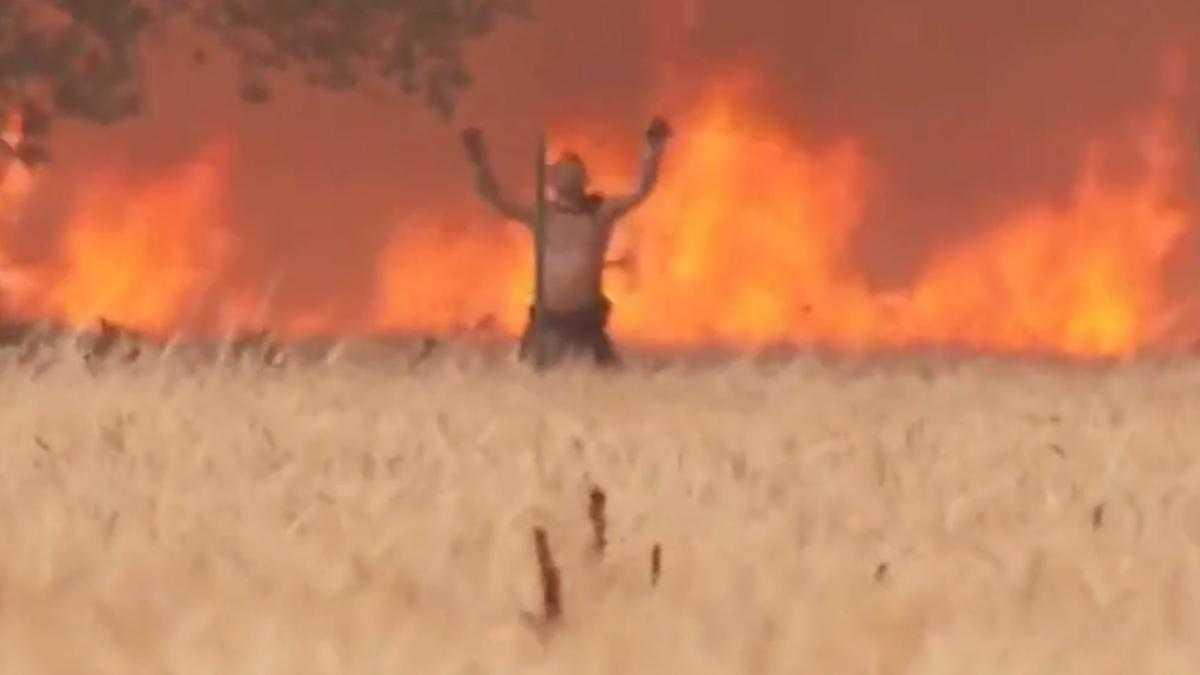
column 368, row 516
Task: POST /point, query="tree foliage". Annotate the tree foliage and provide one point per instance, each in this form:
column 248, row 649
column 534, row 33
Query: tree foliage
column 84, row 58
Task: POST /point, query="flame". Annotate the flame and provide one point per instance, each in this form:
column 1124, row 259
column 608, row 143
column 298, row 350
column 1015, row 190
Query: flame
column 1085, row 280
column 746, row 236
column 439, row 276
column 749, row 241
column 138, row 252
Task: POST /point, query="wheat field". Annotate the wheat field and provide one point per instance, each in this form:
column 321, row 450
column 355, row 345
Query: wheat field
column 371, row 510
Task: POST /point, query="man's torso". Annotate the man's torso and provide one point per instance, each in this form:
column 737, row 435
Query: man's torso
column 576, row 242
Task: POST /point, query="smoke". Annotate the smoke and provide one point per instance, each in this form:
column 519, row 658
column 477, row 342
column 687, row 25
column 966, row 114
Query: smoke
column 967, row 112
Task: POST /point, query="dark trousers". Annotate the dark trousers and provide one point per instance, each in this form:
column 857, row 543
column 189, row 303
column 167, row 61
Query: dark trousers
column 553, row 337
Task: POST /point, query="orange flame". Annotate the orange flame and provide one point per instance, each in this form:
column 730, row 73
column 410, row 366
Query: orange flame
column 1086, row 280
column 747, row 242
column 440, row 277
column 747, row 235
column 138, row 252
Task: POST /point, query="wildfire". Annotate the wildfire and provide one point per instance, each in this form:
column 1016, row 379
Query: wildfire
column 136, row 252
column 442, row 275
column 1085, row 280
column 748, row 242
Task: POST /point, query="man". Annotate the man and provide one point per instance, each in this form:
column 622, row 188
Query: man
column 577, row 228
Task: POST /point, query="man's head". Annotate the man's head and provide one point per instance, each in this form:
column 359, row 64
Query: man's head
column 568, row 178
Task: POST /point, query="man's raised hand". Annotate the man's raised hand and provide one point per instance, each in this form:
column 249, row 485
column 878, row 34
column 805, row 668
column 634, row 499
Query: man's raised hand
column 658, row 133
column 473, row 142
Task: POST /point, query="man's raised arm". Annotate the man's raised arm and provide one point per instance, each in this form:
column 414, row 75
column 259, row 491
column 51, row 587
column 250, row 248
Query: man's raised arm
column 656, row 140
column 487, row 185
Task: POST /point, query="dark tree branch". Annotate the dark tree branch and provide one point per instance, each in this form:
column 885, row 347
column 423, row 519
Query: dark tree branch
column 83, row 58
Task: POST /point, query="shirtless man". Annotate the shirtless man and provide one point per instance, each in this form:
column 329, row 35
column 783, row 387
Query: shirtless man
column 578, row 226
